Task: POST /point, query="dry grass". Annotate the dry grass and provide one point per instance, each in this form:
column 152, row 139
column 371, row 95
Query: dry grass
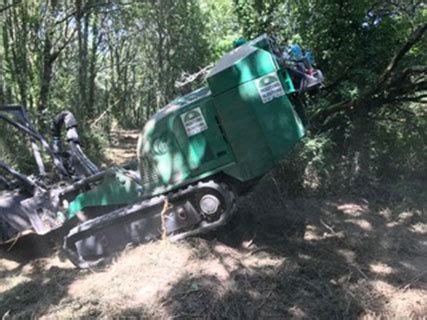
column 360, row 256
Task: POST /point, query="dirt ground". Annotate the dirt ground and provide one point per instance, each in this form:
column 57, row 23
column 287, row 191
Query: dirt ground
column 357, row 255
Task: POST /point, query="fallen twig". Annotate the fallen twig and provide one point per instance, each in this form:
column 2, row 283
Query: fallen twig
column 6, row 315
column 188, row 78
column 279, row 192
column 14, row 242
column 412, row 281
column 267, row 297
column 327, row 226
column 362, row 273
column 165, row 210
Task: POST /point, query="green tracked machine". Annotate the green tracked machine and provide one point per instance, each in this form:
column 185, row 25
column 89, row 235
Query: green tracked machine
column 195, row 157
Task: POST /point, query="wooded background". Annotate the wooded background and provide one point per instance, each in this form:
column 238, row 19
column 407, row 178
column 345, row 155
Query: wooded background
column 114, row 63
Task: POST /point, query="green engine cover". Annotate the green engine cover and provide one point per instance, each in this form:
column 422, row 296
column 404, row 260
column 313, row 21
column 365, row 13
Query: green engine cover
column 242, row 124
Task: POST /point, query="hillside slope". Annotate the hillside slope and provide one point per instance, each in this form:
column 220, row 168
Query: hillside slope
column 358, row 255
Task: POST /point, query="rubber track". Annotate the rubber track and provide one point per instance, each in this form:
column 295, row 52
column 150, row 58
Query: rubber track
column 142, row 212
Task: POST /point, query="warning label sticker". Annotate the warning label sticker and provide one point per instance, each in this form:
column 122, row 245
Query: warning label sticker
column 193, row 122
column 269, row 87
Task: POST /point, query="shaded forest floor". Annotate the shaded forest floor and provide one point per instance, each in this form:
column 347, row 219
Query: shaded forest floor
column 359, row 254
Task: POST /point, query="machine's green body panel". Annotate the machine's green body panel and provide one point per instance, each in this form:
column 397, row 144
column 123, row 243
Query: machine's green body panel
column 241, row 125
column 243, row 64
column 116, row 188
column 245, row 136
column 177, row 155
column 260, row 133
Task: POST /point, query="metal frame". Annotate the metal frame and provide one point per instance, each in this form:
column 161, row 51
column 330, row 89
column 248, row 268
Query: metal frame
column 33, row 203
column 21, row 122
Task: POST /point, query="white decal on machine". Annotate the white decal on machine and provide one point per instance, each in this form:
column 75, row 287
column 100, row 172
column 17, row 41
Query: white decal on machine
column 269, row 87
column 193, row 122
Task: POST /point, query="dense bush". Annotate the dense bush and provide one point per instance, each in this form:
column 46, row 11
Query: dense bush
column 114, row 62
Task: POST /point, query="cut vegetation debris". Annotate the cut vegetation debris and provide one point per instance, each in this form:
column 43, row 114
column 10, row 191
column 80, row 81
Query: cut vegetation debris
column 340, row 256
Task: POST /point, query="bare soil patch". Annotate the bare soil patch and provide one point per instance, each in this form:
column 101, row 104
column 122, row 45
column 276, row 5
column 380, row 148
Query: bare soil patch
column 122, row 148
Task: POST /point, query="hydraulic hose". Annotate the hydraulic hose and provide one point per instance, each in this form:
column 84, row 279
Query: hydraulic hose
column 67, row 120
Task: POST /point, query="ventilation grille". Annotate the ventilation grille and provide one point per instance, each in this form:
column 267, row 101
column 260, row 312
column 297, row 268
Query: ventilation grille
column 149, row 173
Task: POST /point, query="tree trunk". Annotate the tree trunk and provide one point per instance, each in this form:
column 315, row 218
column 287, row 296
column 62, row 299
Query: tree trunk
column 92, row 66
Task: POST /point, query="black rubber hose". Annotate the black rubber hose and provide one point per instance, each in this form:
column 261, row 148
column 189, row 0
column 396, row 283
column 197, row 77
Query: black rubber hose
column 66, row 119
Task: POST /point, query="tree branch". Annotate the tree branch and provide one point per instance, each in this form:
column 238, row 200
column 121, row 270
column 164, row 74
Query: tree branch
column 412, row 40
column 351, row 105
column 9, row 6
